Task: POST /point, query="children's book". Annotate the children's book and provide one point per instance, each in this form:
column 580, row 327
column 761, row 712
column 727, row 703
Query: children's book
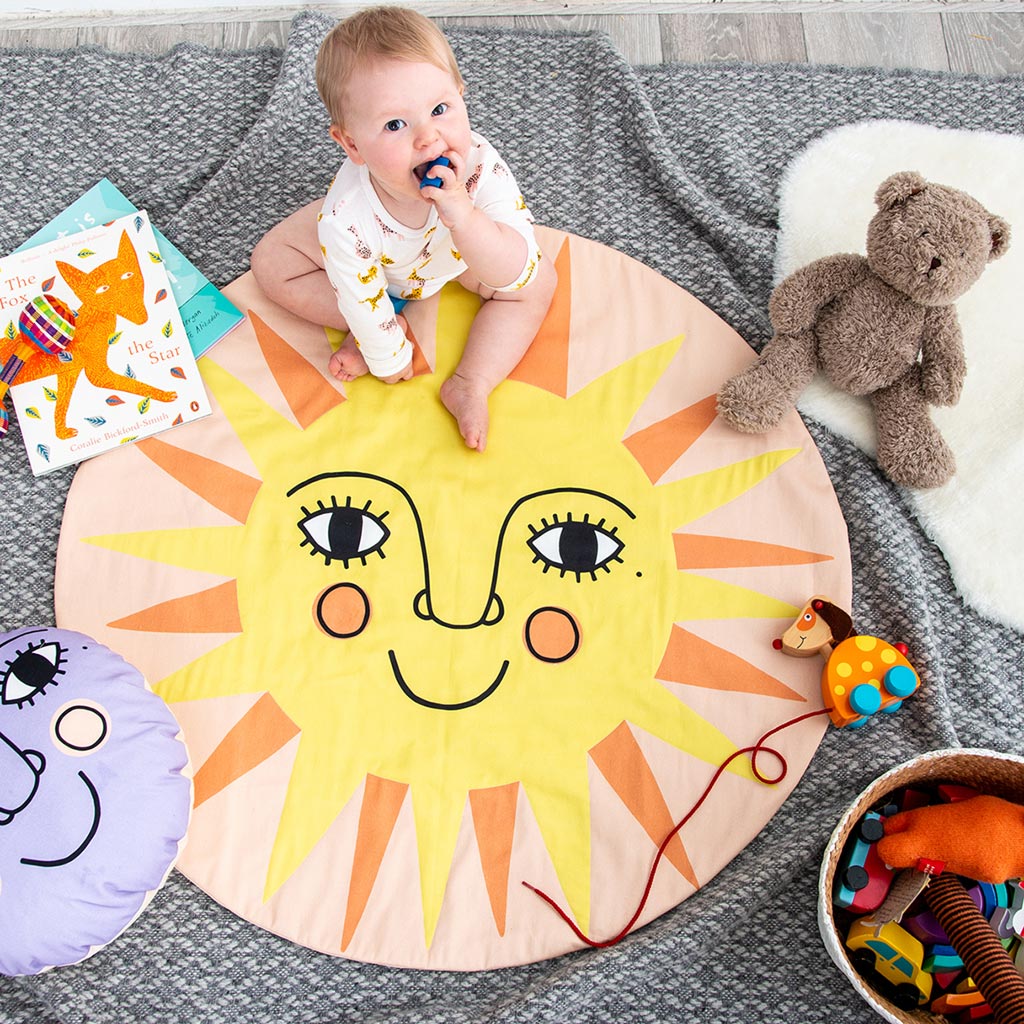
column 206, row 313
column 93, row 345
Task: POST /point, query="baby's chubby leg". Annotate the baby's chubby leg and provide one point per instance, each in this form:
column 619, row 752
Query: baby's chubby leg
column 289, row 266
column 501, row 333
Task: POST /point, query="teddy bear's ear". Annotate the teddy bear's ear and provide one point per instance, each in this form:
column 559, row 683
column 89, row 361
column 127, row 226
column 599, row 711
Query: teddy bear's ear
column 898, row 188
column 1000, row 232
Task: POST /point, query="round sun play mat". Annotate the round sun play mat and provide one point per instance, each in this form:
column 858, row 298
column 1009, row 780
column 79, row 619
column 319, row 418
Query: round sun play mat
column 413, row 677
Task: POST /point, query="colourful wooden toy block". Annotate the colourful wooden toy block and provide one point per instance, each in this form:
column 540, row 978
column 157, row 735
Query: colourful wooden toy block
column 952, row 1002
column 951, row 792
column 924, row 927
column 947, row 979
column 942, row 958
column 982, row 1011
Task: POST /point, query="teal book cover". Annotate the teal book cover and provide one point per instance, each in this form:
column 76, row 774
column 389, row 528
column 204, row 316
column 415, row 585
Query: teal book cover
column 206, row 313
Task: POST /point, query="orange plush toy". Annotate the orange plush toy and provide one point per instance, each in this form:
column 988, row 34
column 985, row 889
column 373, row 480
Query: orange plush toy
column 980, row 838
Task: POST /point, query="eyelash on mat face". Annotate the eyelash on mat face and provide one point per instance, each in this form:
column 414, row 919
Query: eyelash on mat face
column 343, row 532
column 575, row 546
column 28, row 674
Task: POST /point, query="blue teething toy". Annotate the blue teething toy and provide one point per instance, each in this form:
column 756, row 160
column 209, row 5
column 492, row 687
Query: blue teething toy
column 441, row 161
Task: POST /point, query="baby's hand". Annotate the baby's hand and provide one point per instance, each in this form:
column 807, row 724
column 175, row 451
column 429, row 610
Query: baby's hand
column 451, row 198
column 405, row 374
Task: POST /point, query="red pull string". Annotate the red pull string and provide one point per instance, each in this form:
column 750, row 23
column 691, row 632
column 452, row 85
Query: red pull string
column 754, row 751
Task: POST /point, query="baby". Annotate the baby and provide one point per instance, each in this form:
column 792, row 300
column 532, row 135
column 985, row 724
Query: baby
column 385, row 234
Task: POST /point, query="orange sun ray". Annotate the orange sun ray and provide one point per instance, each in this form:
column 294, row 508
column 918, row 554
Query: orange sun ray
column 701, row 551
column 546, row 363
column 494, row 821
column 382, row 800
column 258, row 734
column 697, row 662
column 306, row 390
column 208, row 611
column 225, row 488
column 419, row 360
column 621, row 761
column 656, row 447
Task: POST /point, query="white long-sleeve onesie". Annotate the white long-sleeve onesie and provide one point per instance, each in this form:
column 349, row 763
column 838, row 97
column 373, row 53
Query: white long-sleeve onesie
column 371, row 258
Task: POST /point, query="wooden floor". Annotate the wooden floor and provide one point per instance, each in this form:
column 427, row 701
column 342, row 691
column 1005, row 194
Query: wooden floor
column 986, row 43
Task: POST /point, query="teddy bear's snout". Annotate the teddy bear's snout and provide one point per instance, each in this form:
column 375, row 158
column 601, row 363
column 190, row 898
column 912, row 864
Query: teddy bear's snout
column 935, row 264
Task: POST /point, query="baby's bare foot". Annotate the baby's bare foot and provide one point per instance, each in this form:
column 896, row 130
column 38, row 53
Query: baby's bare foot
column 467, row 402
column 347, row 363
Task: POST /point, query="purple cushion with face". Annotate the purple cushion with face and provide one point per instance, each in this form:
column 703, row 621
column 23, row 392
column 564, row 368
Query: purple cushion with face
column 94, row 797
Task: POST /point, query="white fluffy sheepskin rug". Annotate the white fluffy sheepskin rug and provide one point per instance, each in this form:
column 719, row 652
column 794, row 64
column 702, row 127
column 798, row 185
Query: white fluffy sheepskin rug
column 826, row 201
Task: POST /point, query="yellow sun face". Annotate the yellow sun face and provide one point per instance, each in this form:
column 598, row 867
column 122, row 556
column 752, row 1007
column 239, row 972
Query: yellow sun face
column 430, row 628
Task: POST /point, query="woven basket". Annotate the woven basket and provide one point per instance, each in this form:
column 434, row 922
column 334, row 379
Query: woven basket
column 985, row 770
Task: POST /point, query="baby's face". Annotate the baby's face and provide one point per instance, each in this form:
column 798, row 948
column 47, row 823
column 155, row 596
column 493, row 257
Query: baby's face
column 404, row 114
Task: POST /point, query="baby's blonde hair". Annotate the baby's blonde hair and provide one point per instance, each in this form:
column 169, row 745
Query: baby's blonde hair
column 396, row 33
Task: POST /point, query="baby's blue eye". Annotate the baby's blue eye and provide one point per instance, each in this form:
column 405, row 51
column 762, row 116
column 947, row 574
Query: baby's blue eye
column 439, row 110
column 394, row 125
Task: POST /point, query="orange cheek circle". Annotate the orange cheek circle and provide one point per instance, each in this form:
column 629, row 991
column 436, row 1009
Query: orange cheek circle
column 552, row 635
column 342, row 610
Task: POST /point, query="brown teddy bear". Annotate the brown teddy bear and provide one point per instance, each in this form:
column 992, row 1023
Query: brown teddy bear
column 883, row 325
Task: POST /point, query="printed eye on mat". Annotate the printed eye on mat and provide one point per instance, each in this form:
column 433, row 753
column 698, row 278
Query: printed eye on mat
column 412, row 676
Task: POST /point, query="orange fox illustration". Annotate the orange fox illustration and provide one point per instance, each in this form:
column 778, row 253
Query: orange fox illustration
column 113, row 289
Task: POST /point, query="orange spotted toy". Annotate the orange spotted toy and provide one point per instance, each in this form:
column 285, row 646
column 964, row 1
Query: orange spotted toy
column 862, row 674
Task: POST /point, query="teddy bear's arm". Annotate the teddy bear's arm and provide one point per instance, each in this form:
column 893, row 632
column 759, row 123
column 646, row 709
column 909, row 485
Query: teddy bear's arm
column 795, row 303
column 943, row 364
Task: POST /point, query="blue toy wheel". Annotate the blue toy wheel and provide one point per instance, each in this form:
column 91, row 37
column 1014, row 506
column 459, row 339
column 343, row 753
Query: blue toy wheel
column 900, row 681
column 865, row 699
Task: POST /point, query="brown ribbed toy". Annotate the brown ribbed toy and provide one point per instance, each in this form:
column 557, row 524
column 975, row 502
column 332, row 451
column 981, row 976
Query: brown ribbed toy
column 979, row 948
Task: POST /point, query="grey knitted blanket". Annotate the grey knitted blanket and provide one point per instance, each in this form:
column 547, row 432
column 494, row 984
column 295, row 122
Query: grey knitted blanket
column 678, row 166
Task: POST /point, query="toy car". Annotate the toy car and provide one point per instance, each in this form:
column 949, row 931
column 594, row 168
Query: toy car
column 863, row 879
column 892, row 960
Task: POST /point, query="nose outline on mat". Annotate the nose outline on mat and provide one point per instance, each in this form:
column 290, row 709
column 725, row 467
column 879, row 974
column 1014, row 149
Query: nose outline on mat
column 492, row 614
column 20, row 771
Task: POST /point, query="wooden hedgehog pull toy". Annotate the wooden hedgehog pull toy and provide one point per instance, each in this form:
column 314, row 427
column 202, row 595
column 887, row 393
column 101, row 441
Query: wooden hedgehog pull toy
column 862, row 674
